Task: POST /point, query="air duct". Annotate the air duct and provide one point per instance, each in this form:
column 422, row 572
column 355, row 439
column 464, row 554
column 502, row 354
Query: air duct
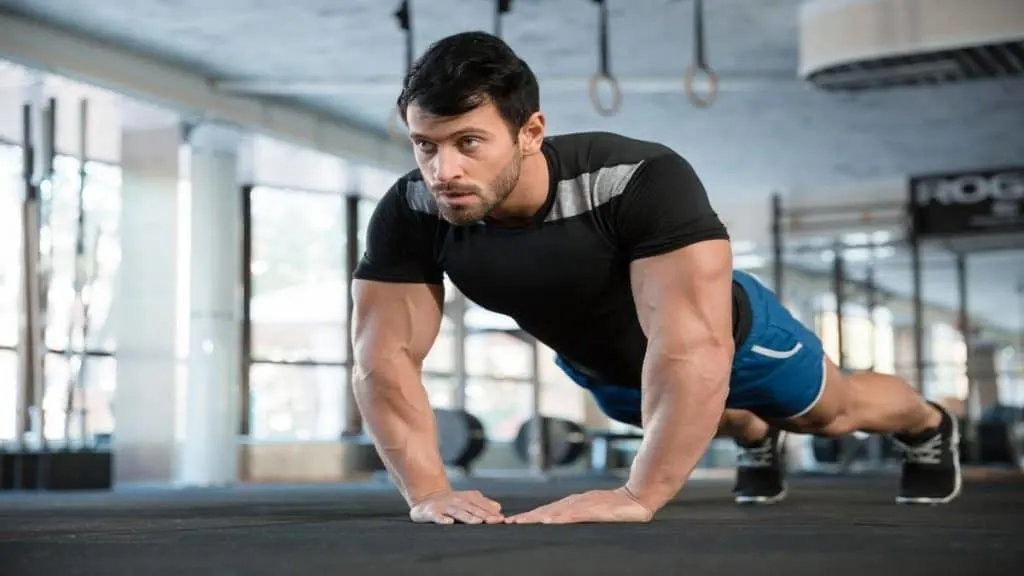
column 856, row 45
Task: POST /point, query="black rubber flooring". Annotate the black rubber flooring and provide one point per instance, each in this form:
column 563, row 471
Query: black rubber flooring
column 827, row 526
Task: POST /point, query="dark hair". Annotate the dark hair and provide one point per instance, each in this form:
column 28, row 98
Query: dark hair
column 461, row 72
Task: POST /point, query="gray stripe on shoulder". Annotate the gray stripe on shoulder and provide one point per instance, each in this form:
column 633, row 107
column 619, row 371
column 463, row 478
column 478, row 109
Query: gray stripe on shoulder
column 590, row 190
column 419, row 197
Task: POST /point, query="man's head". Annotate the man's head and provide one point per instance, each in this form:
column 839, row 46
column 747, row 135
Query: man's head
column 473, row 112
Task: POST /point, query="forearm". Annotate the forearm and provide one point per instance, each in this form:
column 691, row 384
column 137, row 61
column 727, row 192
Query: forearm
column 398, row 416
column 683, row 401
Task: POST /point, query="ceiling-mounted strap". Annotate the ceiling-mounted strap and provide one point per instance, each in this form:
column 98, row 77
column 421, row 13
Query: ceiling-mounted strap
column 604, row 67
column 699, row 63
column 404, row 17
column 501, row 7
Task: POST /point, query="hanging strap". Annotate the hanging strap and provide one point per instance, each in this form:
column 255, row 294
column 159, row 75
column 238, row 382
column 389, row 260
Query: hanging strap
column 404, row 17
column 501, row 7
column 699, row 63
column 604, row 69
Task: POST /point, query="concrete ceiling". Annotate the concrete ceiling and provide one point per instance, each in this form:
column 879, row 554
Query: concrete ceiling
column 767, row 131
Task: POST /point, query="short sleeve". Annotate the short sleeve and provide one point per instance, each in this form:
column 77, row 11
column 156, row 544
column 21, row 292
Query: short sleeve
column 664, row 207
column 399, row 243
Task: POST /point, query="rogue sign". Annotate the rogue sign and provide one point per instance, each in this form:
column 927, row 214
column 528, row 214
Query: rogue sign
column 985, row 201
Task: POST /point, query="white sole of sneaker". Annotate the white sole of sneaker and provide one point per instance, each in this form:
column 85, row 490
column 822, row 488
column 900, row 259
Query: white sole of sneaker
column 766, row 500
column 762, row 500
column 956, row 467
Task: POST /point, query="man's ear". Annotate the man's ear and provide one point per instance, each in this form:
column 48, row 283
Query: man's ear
column 531, row 135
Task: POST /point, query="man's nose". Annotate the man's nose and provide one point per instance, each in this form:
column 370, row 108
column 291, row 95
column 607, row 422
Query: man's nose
column 446, row 166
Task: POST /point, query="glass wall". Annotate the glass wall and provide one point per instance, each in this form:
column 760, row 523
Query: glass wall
column 101, row 199
column 868, row 339
column 946, row 375
column 299, row 287
column 499, row 388
column 298, row 314
column 58, row 240
column 10, row 281
column 10, row 243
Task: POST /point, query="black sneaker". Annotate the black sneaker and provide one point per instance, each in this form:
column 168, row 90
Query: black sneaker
column 760, row 474
column 931, row 463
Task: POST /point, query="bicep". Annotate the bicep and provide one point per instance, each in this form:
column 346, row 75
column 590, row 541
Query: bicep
column 684, row 297
column 394, row 321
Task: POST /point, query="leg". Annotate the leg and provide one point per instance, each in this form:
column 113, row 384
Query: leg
column 742, row 426
column 781, row 374
column 868, row 402
column 876, row 403
column 760, row 472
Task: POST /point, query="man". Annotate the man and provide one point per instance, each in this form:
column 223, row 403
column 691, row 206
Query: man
column 606, row 249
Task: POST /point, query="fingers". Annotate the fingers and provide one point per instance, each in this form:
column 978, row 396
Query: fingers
column 466, row 515
column 491, row 506
column 541, row 515
column 483, row 508
column 463, row 507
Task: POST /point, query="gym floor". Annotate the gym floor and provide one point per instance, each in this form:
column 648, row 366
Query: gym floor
column 828, row 525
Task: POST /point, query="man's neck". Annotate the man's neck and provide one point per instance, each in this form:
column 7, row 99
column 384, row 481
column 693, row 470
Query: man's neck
column 529, row 195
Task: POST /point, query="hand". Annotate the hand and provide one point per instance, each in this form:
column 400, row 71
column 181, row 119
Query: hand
column 451, row 507
column 594, row 506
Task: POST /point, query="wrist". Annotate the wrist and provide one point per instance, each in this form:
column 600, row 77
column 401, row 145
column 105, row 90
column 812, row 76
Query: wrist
column 647, row 508
column 417, row 497
column 651, row 497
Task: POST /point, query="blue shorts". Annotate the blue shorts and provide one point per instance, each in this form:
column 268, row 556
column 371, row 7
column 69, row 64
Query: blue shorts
column 778, row 372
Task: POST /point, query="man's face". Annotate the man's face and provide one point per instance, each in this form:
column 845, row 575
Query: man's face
column 470, row 162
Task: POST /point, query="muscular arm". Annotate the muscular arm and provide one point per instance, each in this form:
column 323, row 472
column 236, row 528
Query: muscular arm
column 681, row 275
column 683, row 299
column 395, row 325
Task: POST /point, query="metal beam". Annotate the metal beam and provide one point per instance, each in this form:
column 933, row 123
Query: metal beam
column 35, row 45
column 389, row 87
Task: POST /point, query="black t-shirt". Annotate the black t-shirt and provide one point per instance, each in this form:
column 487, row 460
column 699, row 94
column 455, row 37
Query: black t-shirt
column 563, row 277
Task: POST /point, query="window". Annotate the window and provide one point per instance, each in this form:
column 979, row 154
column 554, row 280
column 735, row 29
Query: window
column 8, row 394
column 296, row 402
column 58, row 243
column 299, row 286
column 98, row 382
column 560, row 396
column 101, row 248
column 1010, row 376
column 11, row 191
column 498, row 355
column 298, row 314
column 440, row 391
column 858, row 335
column 501, row 405
column 947, row 373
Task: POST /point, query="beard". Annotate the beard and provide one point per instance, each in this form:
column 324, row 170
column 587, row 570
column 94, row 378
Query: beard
column 490, row 197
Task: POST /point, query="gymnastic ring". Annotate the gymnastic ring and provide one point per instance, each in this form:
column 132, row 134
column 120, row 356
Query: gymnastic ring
column 616, row 95
column 691, row 73
column 394, row 123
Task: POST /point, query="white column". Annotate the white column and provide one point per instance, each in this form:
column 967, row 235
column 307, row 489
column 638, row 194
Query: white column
column 178, row 308
column 209, row 454
column 144, row 307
